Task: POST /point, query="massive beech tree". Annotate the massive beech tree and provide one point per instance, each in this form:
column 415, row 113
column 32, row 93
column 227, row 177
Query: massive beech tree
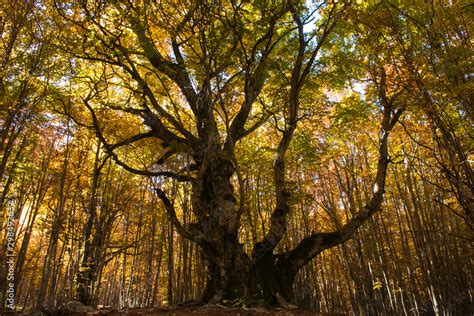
column 198, row 79
column 237, row 152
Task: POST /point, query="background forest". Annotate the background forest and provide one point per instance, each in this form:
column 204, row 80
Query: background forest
column 76, row 80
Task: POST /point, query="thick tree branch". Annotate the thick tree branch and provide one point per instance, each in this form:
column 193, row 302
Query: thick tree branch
column 151, row 96
column 255, row 76
column 175, row 71
column 300, row 71
column 171, row 213
column 311, row 246
column 111, row 147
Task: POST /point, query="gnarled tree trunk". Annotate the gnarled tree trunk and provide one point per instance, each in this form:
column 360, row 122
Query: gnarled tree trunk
column 208, row 142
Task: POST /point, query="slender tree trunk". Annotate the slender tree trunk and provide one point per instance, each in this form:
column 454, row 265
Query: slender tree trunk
column 41, row 188
column 170, row 263
column 50, row 257
column 85, row 275
column 155, row 299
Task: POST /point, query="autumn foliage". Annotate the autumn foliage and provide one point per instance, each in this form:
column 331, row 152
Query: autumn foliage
column 276, row 154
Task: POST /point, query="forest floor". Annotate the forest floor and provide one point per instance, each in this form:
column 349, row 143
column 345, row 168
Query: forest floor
column 199, row 311
column 192, row 311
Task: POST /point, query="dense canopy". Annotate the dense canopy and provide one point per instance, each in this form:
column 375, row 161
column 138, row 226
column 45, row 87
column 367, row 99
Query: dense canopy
column 243, row 153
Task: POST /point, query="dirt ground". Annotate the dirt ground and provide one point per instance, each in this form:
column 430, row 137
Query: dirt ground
column 198, row 311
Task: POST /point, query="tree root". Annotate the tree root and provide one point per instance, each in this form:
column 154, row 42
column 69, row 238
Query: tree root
column 283, row 302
